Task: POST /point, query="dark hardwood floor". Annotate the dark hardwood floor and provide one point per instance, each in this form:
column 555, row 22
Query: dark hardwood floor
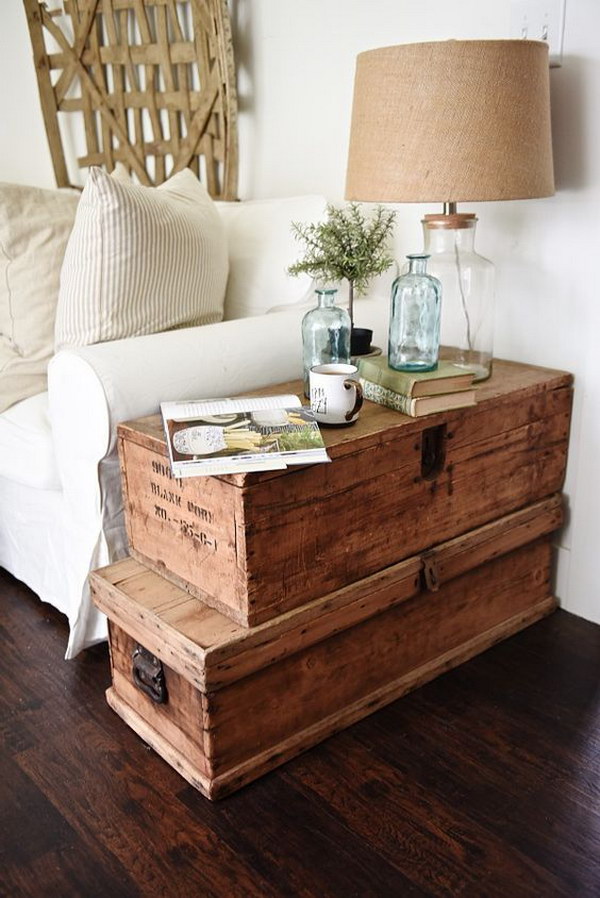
column 484, row 783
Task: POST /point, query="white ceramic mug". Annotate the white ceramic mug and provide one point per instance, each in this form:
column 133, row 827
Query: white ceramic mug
column 336, row 396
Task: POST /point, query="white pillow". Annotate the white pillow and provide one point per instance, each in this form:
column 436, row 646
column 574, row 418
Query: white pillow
column 261, row 249
column 141, row 260
column 34, row 228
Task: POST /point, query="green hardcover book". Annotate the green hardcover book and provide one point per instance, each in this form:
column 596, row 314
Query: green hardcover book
column 447, row 378
column 419, row 406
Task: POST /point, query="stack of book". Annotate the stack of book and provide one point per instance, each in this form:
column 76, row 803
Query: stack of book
column 416, row 393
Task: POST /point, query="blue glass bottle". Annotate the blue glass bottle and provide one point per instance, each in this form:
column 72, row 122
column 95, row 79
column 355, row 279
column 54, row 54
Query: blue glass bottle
column 325, row 334
column 414, row 335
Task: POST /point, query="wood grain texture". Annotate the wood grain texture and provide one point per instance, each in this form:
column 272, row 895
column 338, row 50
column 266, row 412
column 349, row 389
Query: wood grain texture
column 508, row 379
column 256, row 713
column 181, row 721
column 252, row 539
column 483, row 783
column 459, row 555
column 274, row 694
column 153, row 80
column 248, row 770
column 195, row 537
column 199, row 771
column 210, row 650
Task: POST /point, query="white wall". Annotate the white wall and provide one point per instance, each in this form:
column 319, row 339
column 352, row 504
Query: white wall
column 24, row 155
column 296, row 69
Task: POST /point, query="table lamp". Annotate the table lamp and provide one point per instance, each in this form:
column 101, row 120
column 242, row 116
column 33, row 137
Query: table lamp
column 450, row 122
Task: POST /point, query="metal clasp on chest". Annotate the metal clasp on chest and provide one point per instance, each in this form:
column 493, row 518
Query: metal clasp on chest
column 433, row 451
column 148, row 674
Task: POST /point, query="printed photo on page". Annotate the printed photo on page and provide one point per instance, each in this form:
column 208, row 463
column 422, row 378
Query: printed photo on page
column 230, row 436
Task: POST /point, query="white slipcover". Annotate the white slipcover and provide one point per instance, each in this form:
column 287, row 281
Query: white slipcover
column 26, row 444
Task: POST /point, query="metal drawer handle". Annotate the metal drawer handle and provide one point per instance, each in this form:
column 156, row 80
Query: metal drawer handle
column 148, row 675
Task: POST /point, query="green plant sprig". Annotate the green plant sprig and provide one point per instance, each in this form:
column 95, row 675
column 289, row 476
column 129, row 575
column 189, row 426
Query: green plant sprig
column 347, row 245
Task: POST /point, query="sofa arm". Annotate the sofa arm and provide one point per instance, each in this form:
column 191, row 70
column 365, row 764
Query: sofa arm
column 93, row 388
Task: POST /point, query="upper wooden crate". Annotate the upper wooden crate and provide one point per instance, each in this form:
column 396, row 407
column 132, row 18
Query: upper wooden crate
column 152, row 80
column 257, row 545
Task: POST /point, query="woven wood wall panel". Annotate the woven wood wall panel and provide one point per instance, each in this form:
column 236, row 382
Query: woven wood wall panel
column 152, row 80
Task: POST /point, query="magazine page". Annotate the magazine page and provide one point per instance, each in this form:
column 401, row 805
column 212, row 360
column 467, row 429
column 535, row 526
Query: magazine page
column 231, row 436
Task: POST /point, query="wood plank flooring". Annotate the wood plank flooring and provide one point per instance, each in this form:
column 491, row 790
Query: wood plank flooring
column 486, row 782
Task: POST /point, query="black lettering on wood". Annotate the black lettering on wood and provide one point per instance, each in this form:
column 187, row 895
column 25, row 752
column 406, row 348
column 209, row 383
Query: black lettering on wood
column 188, row 529
column 158, row 467
column 166, row 495
column 203, row 513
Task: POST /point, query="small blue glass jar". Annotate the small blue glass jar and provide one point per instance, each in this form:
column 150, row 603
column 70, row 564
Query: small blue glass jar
column 325, row 334
column 414, row 334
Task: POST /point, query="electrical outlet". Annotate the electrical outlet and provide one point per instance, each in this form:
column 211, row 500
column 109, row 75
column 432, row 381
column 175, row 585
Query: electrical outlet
column 540, row 20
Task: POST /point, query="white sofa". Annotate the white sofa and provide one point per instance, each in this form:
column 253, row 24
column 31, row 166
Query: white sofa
column 60, row 501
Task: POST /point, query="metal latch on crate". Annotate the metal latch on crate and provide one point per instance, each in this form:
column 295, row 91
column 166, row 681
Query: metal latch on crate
column 433, row 451
column 430, row 571
column 149, row 675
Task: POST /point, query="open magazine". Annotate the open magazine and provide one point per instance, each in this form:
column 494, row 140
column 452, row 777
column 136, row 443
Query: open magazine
column 229, row 436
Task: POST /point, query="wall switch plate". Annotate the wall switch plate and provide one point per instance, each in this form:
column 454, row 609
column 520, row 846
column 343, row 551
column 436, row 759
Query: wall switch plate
column 540, row 20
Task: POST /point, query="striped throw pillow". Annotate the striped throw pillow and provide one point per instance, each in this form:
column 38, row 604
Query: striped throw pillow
column 141, row 260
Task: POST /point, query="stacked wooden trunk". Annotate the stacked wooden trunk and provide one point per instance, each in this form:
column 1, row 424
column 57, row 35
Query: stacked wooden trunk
column 260, row 613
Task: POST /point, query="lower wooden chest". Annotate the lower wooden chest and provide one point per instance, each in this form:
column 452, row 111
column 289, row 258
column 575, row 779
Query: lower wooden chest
column 223, row 704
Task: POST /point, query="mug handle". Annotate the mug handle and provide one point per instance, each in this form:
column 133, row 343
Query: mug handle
column 354, row 384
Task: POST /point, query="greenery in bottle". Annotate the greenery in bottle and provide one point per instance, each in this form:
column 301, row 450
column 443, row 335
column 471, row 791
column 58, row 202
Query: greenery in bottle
column 347, row 245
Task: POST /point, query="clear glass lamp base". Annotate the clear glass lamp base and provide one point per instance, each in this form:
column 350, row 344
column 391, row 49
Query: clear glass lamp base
column 478, row 362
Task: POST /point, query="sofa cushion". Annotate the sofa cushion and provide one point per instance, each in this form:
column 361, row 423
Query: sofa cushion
column 34, row 228
column 26, row 447
column 141, row 260
column 261, row 249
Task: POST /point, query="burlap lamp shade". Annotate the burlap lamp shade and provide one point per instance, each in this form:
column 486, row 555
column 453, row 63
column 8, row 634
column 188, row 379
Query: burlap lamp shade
column 451, row 121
